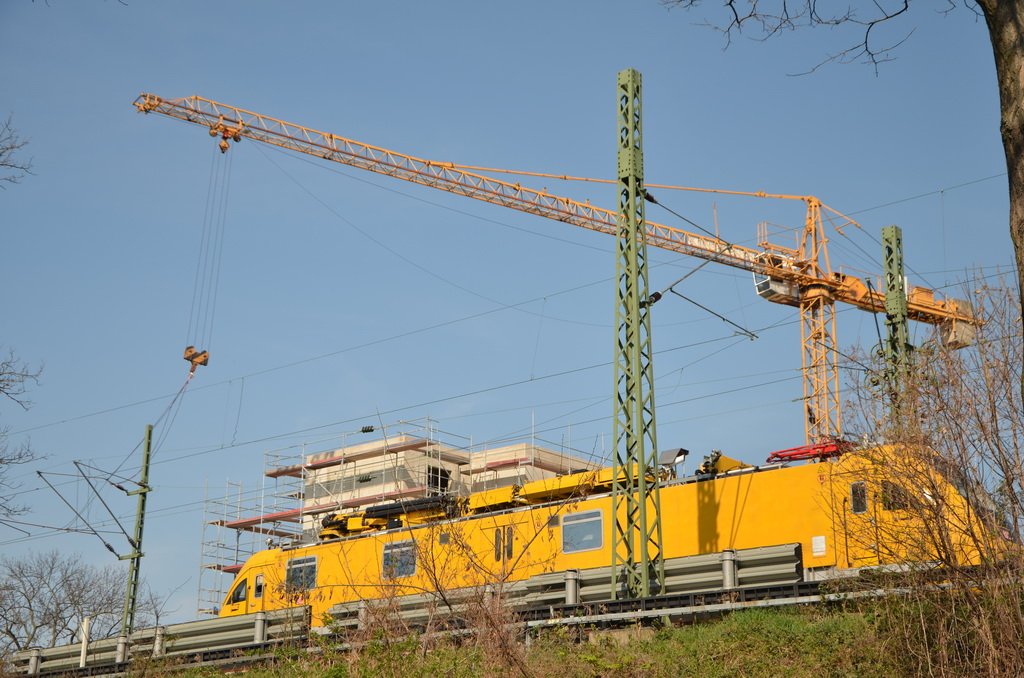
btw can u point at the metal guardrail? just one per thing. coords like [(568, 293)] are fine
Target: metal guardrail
[(202, 639), (687, 607), (739, 569), (696, 586)]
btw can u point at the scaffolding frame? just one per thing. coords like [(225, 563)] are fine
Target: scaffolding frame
[(411, 459)]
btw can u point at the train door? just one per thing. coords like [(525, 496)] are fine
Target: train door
[(247, 596), (257, 602), (509, 543), (859, 525)]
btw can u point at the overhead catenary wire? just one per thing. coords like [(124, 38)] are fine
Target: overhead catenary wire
[(672, 288), (588, 421), (55, 530), (208, 450), (536, 344), (779, 323), (314, 358), (177, 509), (105, 505), (74, 510), (171, 408), (110, 477), (515, 435), (421, 405), (407, 407), (596, 400), (739, 328), (13, 523), (879, 244), (592, 400), (573, 242), (929, 193), (941, 192), (601, 400)]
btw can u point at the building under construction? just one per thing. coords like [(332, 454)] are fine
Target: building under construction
[(299, 489)]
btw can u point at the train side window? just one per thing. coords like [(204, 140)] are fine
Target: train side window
[(509, 538), (301, 574), (582, 531), (399, 559), (257, 588), (497, 545), (238, 595), (858, 497)]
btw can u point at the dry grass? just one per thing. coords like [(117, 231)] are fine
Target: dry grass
[(798, 643)]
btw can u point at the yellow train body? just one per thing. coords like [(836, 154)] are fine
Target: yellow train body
[(844, 513)]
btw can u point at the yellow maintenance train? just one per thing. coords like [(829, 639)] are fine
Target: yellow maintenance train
[(857, 509)]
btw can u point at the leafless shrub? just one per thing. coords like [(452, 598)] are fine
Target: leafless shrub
[(44, 596), (946, 513)]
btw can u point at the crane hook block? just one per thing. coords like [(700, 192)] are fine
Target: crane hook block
[(195, 357)]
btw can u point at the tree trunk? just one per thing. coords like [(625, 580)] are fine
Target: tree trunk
[(1005, 19)]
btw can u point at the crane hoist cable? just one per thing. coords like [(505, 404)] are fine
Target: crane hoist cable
[(208, 262)]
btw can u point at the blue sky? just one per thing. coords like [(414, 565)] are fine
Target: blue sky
[(504, 324)]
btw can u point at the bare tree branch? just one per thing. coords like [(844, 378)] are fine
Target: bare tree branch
[(766, 20), (44, 596), (12, 169), (15, 376)]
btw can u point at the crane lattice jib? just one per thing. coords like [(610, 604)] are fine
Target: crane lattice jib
[(233, 123), (800, 277)]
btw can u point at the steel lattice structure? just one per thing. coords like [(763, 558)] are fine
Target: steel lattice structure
[(798, 276), (636, 504)]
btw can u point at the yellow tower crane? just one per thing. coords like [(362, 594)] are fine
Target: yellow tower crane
[(800, 276)]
